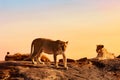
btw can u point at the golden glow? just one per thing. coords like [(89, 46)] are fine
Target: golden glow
[(84, 26)]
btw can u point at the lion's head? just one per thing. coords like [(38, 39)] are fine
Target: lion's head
[(62, 44), (99, 47)]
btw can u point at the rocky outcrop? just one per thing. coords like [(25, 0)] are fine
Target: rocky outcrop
[(82, 69), (118, 56), (68, 60)]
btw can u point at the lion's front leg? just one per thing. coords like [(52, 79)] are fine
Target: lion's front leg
[(65, 61), (55, 60)]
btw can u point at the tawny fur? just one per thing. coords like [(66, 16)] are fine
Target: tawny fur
[(48, 46), (103, 53)]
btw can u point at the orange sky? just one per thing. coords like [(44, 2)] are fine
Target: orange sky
[(83, 23)]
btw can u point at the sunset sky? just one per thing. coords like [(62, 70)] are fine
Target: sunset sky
[(84, 23)]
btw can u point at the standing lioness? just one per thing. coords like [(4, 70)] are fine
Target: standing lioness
[(48, 46)]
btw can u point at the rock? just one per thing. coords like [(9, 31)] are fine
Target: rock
[(80, 70), (4, 74), (83, 61), (98, 63), (118, 56), (68, 60)]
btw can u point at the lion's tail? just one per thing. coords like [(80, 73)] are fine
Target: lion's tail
[(32, 48)]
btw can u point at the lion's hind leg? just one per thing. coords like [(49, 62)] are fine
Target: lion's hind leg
[(33, 57), (39, 56)]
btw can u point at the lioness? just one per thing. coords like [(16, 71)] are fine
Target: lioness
[(103, 53), (50, 47)]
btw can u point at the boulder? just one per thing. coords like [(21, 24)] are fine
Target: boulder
[(68, 60), (118, 56), (24, 70)]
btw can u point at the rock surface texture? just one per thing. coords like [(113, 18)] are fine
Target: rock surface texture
[(82, 69)]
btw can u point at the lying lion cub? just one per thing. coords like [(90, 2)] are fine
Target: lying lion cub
[(103, 53)]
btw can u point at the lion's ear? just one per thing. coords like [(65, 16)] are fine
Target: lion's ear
[(102, 46), (66, 42)]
